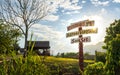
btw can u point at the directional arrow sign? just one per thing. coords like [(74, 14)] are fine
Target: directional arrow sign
[(80, 23), (87, 31), (82, 39)]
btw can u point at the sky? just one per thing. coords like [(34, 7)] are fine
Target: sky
[(53, 27)]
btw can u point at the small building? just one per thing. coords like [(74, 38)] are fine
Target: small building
[(41, 47)]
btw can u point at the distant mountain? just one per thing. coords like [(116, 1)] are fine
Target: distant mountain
[(92, 48)]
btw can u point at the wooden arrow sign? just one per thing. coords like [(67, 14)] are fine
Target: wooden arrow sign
[(82, 39), (80, 23), (87, 31)]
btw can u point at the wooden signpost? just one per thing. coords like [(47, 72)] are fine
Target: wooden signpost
[(80, 38)]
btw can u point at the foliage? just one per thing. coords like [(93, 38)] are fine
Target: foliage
[(23, 66), (8, 38), (94, 69), (112, 46), (113, 57), (100, 57)]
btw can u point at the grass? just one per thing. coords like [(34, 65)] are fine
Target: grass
[(55, 59), (53, 65), (52, 59), (70, 60), (59, 60)]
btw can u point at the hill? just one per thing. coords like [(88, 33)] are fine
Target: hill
[(92, 48)]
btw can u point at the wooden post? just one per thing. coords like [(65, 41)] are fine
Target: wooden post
[(81, 52)]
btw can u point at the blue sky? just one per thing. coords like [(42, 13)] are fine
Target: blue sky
[(53, 27)]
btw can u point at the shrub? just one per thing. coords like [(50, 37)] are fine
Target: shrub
[(100, 57), (94, 69)]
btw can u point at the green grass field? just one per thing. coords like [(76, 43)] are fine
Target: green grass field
[(58, 59), (63, 61)]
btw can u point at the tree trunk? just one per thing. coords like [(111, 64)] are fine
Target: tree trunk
[(25, 46)]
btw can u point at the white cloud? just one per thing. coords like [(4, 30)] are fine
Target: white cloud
[(46, 31), (83, 1), (103, 11), (116, 1), (117, 9), (98, 2), (51, 18), (67, 5), (58, 40), (72, 12), (75, 1), (70, 21), (54, 6)]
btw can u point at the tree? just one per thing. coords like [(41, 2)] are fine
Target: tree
[(23, 14), (112, 41), (62, 55), (8, 38), (70, 55)]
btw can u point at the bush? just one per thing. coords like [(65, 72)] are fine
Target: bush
[(100, 57), (94, 69), (63, 68)]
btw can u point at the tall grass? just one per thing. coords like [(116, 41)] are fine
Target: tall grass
[(23, 66)]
